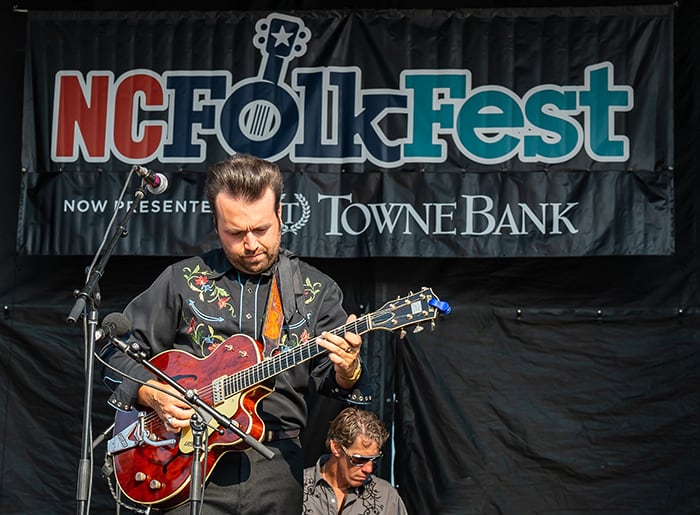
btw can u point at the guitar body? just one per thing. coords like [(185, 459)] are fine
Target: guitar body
[(159, 474)]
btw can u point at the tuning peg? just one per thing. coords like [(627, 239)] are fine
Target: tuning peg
[(418, 329), (402, 334), (432, 325)]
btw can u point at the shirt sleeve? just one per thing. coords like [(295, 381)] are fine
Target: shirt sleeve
[(153, 316), (396, 505), (333, 316)]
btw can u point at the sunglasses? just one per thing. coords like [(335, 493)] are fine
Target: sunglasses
[(358, 460)]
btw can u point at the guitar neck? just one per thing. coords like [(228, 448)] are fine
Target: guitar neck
[(410, 310), (274, 365)]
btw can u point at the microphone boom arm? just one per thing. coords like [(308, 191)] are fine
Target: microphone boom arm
[(88, 291)]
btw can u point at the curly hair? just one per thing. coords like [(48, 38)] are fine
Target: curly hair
[(353, 422)]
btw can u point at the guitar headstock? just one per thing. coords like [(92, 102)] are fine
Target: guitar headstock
[(413, 309), (282, 36)]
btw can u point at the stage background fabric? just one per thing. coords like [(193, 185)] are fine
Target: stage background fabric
[(558, 384)]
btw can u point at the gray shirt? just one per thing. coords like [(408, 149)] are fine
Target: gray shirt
[(375, 496)]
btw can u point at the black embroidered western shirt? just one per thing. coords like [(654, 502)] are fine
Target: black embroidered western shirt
[(197, 304)]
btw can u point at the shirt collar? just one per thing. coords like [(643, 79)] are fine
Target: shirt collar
[(318, 477)]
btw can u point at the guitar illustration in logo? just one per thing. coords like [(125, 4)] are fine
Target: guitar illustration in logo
[(261, 116)]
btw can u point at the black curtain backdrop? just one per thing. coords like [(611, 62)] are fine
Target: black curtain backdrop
[(555, 386)]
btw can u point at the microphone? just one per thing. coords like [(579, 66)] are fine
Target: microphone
[(156, 183), (114, 325)]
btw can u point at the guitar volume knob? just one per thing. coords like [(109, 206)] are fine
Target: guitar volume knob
[(155, 484), (140, 477)]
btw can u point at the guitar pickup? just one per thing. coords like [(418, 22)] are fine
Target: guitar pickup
[(218, 394)]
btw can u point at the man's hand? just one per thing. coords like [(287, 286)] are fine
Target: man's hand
[(344, 352), (171, 408)]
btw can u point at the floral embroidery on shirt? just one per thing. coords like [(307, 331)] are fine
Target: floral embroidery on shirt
[(203, 336), (311, 290), (199, 282), (371, 499), (293, 339)]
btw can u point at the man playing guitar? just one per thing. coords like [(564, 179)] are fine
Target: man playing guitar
[(273, 303)]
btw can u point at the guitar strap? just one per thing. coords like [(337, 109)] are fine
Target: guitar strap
[(274, 318), (286, 300), (293, 301)]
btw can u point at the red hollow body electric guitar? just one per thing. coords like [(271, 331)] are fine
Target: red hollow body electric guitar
[(152, 466)]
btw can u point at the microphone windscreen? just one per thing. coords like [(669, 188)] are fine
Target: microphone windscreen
[(118, 323)]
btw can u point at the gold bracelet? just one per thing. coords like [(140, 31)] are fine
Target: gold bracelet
[(355, 375)]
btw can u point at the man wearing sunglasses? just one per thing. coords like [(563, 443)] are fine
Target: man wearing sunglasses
[(342, 481)]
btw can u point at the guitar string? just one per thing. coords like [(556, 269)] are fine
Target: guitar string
[(285, 360)]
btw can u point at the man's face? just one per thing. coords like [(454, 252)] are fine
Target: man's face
[(250, 232), (355, 475)]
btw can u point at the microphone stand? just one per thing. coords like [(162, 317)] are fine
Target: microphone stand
[(198, 447), (88, 298), (203, 412)]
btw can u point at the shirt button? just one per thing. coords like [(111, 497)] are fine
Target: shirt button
[(250, 290), (248, 316)]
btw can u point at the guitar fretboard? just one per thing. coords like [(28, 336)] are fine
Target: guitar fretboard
[(267, 368), (409, 310)]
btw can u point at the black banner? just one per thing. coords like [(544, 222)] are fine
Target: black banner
[(533, 132), (367, 214)]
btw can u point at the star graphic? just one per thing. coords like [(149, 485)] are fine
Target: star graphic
[(282, 37)]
